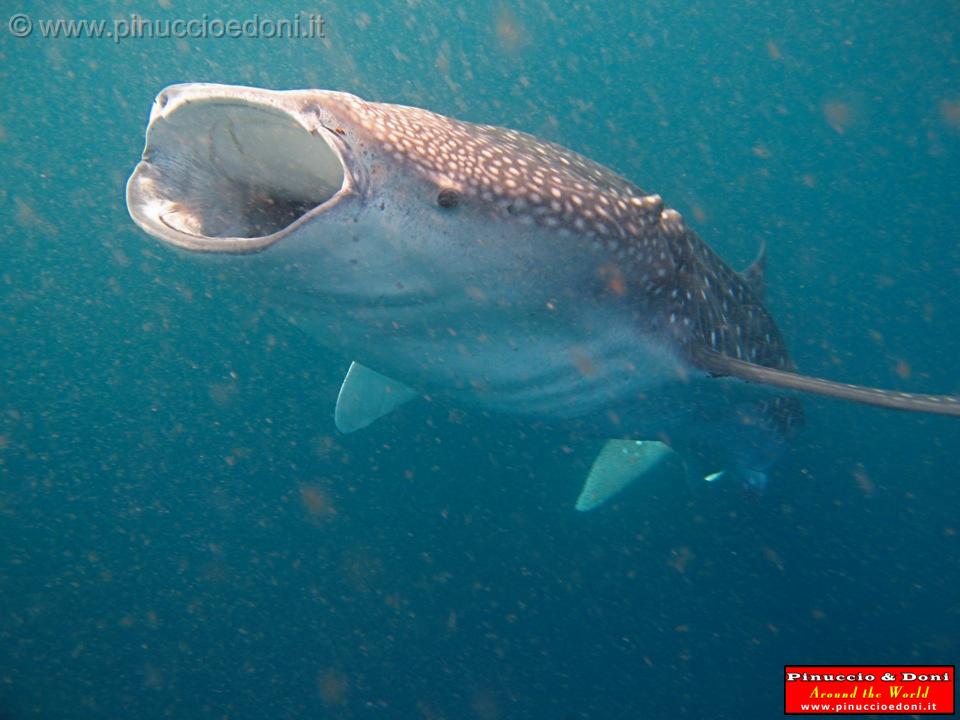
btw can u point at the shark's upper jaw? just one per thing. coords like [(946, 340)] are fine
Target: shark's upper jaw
[(233, 170)]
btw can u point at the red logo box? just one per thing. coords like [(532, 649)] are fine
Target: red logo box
[(869, 689)]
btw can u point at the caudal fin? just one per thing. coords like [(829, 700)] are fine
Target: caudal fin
[(718, 364)]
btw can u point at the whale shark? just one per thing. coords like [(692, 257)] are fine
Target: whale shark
[(482, 267)]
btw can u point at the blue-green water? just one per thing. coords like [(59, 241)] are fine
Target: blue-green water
[(184, 534)]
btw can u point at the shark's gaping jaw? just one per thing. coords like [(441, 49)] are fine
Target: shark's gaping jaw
[(234, 169)]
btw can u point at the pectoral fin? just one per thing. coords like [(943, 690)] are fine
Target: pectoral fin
[(619, 463), (367, 395)]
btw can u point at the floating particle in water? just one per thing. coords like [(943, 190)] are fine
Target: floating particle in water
[(839, 115), (332, 685), (950, 113), (903, 369), (317, 501), (864, 482), (510, 32)]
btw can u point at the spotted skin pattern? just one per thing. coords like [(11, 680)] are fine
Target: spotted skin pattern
[(703, 302), (717, 319)]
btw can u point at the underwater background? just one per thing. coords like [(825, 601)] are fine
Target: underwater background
[(183, 533)]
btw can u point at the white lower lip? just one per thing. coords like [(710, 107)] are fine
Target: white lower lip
[(228, 174)]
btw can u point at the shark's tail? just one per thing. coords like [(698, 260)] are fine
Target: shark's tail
[(718, 364)]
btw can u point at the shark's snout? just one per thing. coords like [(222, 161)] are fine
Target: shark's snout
[(233, 169)]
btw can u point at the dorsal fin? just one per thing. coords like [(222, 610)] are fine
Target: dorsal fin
[(912, 402), (755, 274)]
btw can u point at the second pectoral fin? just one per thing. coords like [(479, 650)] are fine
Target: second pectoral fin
[(365, 396), (619, 463)]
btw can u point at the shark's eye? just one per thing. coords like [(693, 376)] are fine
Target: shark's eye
[(448, 198)]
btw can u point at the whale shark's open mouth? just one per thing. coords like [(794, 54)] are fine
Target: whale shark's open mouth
[(224, 173)]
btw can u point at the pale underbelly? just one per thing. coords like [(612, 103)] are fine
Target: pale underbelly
[(517, 366)]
